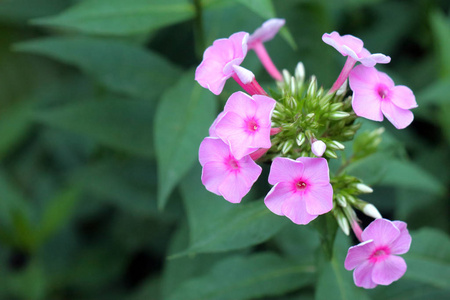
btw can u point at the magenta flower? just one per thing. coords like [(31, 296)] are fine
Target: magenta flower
[(223, 174), (353, 48), (375, 260), (256, 42), (301, 190), (219, 59), (375, 95), (245, 124)]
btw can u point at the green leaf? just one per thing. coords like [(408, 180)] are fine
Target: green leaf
[(119, 123), (14, 124), (246, 277), (217, 225), (22, 10), (118, 17), (57, 213), (428, 259), (335, 282), (182, 119), (118, 66), (440, 26)]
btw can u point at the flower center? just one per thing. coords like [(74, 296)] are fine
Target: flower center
[(383, 91), (380, 254), (300, 185), (233, 164), (252, 125)]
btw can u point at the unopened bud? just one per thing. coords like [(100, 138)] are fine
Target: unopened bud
[(312, 88), (371, 211), (318, 148), (335, 145), (336, 106), (286, 76), (287, 146), (330, 153), (292, 102), (343, 223), (341, 201), (244, 75), (300, 139), (363, 188), (342, 89), (293, 86), (339, 115), (300, 72)]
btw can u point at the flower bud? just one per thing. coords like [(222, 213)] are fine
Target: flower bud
[(300, 139), (341, 200), (330, 153), (287, 146), (342, 89), (286, 76), (335, 145), (336, 106), (339, 115), (371, 211), (300, 72), (312, 88), (363, 188), (343, 223), (293, 86), (318, 148)]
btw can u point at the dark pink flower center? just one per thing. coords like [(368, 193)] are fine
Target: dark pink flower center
[(380, 254), (383, 91), (232, 164), (300, 185), (252, 125)]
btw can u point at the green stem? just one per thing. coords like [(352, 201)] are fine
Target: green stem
[(198, 29)]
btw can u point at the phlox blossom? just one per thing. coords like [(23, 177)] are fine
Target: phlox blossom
[(348, 45), (375, 95), (375, 260), (266, 32), (223, 174), (301, 190), (219, 59), (245, 123)]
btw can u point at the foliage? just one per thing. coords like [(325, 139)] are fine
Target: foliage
[(100, 192)]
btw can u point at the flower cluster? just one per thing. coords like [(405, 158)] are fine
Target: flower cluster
[(298, 129)]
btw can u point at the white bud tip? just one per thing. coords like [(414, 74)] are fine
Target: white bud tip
[(245, 76), (371, 211), (364, 188), (342, 89), (300, 71), (318, 148)]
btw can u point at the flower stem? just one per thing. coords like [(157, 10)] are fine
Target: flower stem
[(267, 61), (349, 63)]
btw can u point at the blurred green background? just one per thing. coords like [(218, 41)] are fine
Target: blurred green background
[(100, 123)]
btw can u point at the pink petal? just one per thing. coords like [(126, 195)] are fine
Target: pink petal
[(363, 276), (237, 184), (241, 104), (212, 129), (212, 149), (402, 97), (316, 170), (372, 59), (367, 104), (239, 42), (338, 42), (210, 76), (295, 209), (285, 170), (363, 78), (232, 129), (402, 244), (358, 254), (318, 199), (399, 117), (213, 175), (383, 232), (389, 270), (276, 197), (384, 78), (266, 32), (265, 107)]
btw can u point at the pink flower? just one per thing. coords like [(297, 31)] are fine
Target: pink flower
[(352, 47), (348, 45), (375, 95), (266, 32), (318, 147), (256, 42), (245, 124), (302, 188), (219, 59), (223, 174), (375, 260)]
